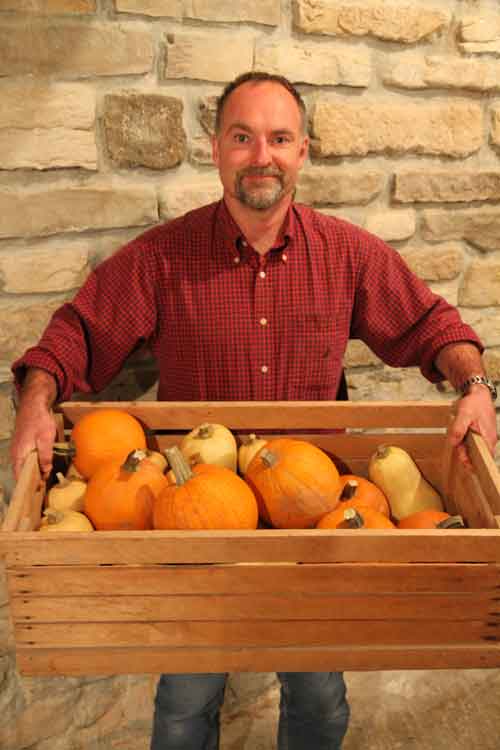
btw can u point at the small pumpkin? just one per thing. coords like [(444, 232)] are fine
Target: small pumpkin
[(295, 483), (360, 491), (67, 494), (355, 518), (431, 519), (121, 495), (250, 446), (213, 444), (64, 520), (102, 435), (204, 496)]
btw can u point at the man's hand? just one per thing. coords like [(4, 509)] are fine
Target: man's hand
[(476, 412), (35, 425)]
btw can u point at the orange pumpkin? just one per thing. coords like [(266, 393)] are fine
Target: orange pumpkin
[(360, 491), (204, 496), (295, 483), (431, 519), (102, 435), (121, 495), (355, 518)]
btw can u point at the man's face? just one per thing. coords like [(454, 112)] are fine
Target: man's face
[(260, 147)]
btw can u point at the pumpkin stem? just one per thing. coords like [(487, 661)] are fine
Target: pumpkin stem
[(205, 431), (61, 479), (382, 451), (53, 516), (249, 439), (179, 465), (133, 460), (64, 449), (269, 458), (453, 522), (353, 518), (349, 490)]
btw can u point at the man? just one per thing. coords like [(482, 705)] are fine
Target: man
[(251, 298)]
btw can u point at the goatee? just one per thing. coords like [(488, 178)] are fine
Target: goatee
[(260, 196)]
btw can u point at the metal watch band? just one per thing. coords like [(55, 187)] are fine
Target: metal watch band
[(479, 380)]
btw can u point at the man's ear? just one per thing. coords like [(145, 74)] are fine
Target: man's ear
[(304, 150), (215, 150)]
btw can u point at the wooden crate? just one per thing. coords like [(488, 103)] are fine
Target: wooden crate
[(266, 600)]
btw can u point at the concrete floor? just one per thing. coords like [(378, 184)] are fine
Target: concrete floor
[(417, 710)]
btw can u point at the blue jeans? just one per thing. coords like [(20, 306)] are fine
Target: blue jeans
[(314, 712)]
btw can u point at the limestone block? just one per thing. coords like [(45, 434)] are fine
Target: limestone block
[(315, 64), (392, 225), (60, 266), (481, 284), (486, 325), (407, 24), (23, 324), (480, 48), (446, 289), (351, 215), (326, 185), (7, 415), (390, 384), (235, 11), (495, 125), (358, 354), (49, 7), (343, 128), (492, 364), (74, 49), (167, 8), (178, 198), (446, 187), (30, 103), (200, 150), (442, 72), (435, 262), (207, 108), (72, 208), (479, 227), (482, 27), (208, 57), (144, 130), (47, 149)]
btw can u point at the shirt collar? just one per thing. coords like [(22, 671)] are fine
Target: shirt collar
[(230, 238)]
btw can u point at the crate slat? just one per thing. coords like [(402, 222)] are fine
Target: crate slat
[(213, 607), (321, 578), (97, 661)]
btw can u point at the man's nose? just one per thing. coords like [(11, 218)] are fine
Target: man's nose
[(261, 152)]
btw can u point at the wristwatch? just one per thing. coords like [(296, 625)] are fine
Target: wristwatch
[(479, 380)]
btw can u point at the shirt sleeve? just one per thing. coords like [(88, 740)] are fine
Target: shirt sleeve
[(397, 315), (88, 339)]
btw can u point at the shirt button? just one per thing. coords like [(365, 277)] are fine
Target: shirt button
[(284, 257), (236, 259), (264, 368), (244, 243), (263, 321), (262, 274)]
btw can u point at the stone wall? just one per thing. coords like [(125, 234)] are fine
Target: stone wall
[(107, 108)]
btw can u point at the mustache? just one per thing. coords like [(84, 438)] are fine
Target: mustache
[(260, 172)]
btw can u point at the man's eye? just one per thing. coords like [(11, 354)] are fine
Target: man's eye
[(280, 139), (241, 138)]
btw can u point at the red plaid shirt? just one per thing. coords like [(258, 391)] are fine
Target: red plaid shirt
[(225, 323)]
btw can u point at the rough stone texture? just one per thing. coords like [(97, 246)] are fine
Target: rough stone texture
[(200, 150), (29, 103), (167, 8), (392, 225), (406, 24), (342, 128), (492, 364), (358, 354), (144, 130), (48, 7), (176, 199), (481, 284), (486, 325), (480, 48), (446, 187), (484, 27), (74, 49), (47, 149), (6, 416), (480, 227), (441, 72), (23, 324), (326, 185), (71, 209), (207, 107), (59, 268), (257, 11), (192, 56), (495, 125), (390, 384), (435, 263), (301, 63)]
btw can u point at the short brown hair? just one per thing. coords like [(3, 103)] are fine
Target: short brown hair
[(255, 76)]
